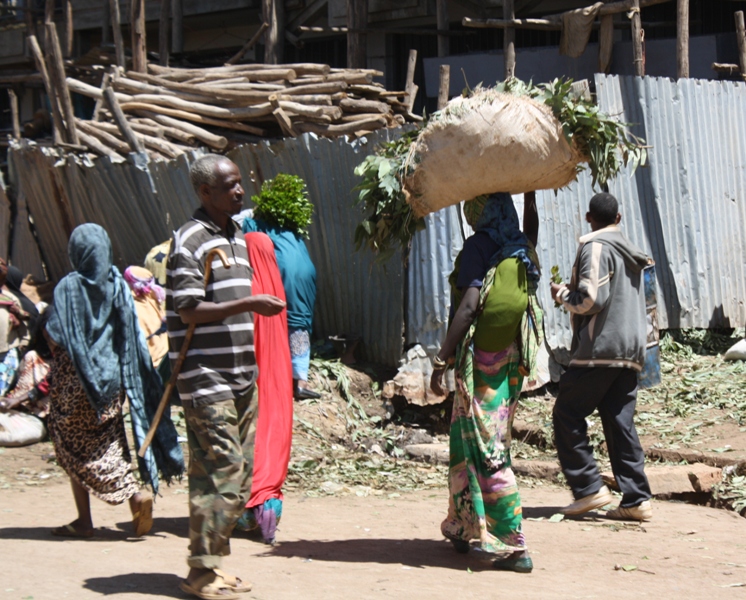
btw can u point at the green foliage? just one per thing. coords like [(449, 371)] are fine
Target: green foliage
[(602, 139), (556, 277), (328, 370), (390, 223), (283, 202), (731, 492)]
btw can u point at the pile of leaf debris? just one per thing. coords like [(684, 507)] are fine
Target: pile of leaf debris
[(352, 441)]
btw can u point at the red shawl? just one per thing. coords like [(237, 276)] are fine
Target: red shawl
[(274, 431)]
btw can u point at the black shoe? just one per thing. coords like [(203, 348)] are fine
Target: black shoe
[(460, 546), (524, 564), (306, 394)]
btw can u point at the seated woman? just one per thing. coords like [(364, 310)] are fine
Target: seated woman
[(14, 331), (25, 408), (494, 335), (31, 391)]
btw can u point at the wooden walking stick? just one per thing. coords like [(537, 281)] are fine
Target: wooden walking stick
[(182, 355)]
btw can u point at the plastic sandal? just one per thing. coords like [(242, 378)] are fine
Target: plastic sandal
[(69, 531), (209, 586), (233, 582)]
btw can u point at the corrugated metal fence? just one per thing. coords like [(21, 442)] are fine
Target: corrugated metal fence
[(140, 205), (687, 208)]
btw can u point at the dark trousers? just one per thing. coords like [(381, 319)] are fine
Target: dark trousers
[(613, 391)]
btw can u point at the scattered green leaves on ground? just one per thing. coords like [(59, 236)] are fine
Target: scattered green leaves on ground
[(731, 492), (699, 393)]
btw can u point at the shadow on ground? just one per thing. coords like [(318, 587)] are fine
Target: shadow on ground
[(151, 584), (43, 534), (414, 553), (537, 512), (178, 526)]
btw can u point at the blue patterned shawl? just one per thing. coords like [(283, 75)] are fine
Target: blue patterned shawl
[(495, 215), (94, 320)]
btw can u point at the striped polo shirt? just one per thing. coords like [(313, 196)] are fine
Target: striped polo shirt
[(220, 363)]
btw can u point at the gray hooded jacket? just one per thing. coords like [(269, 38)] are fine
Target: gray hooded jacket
[(606, 298)]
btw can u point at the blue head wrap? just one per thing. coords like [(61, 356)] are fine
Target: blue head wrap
[(496, 216)]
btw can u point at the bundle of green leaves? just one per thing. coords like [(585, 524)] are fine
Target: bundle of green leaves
[(390, 225), (283, 202)]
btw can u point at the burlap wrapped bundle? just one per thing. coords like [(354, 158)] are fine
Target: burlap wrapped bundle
[(489, 142)]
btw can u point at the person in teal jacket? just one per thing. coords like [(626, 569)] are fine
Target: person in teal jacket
[(299, 279)]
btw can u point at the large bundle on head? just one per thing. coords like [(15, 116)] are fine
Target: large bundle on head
[(514, 137), (490, 141)]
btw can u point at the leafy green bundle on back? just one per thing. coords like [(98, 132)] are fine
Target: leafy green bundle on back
[(283, 202)]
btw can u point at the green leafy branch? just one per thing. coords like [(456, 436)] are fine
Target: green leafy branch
[(283, 202), (389, 223)]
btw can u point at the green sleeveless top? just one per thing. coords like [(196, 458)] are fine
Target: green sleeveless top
[(498, 325)]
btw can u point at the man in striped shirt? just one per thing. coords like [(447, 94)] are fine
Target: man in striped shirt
[(217, 380)]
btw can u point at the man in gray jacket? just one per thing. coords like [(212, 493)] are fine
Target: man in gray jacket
[(606, 300)]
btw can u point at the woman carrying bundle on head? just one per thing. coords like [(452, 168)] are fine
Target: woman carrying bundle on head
[(494, 336), (283, 212)]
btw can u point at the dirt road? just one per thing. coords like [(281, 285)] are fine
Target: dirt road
[(372, 547)]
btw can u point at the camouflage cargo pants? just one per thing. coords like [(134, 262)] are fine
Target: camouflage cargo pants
[(221, 464)]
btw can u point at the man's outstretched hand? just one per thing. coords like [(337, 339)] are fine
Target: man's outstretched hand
[(266, 305)]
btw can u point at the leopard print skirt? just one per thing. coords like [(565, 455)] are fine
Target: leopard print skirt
[(93, 451)]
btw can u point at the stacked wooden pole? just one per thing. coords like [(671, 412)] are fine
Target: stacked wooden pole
[(137, 25), (116, 29), (682, 39), (509, 39), (357, 21), (167, 111), (164, 32), (741, 40), (638, 52)]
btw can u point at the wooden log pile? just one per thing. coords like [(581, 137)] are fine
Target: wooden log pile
[(168, 111)]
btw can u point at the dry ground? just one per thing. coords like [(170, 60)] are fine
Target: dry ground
[(379, 545), (365, 524)]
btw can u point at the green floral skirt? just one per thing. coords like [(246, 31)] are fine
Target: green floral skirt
[(484, 503)]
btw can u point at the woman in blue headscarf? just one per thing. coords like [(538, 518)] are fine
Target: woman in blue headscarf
[(100, 355), (494, 336), (299, 280)]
